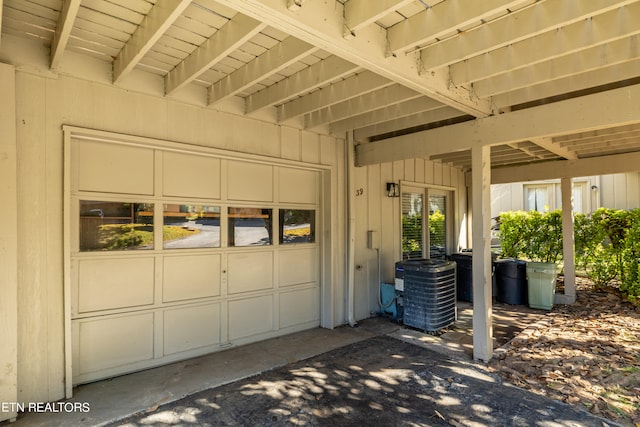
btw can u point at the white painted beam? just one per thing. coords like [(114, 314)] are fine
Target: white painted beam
[(230, 37), (320, 23), (282, 55), (481, 260), (602, 56), (158, 20), (568, 249), (317, 74), (601, 165), (389, 95), (574, 83), (63, 30), (351, 87), (548, 144), (606, 109), (600, 29), (525, 23), (442, 20), (387, 112), (420, 119), (360, 13)]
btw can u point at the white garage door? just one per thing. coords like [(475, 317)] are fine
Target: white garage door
[(175, 254)]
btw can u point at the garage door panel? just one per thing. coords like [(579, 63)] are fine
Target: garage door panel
[(298, 185), (187, 328), (186, 296), (191, 276), (298, 266), (249, 181), (110, 342), (298, 307), (115, 168), (251, 316), (249, 272), (187, 175), (105, 284)]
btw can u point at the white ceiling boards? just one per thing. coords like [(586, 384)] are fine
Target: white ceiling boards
[(394, 68)]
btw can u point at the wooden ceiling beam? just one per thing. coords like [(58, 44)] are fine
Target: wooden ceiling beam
[(616, 107), (539, 18), (360, 13), (344, 90), (153, 26), (368, 102), (591, 59), (281, 56), (442, 20), (549, 145), (600, 29), (321, 23), (230, 37), (318, 74), (63, 30), (386, 112)]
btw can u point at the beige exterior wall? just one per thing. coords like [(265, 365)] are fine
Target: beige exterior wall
[(377, 212), (620, 191), (43, 106), (8, 243), (616, 191)]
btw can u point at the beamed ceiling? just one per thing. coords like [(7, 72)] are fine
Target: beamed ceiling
[(386, 70)]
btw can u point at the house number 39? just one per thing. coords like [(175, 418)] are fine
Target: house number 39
[(359, 191)]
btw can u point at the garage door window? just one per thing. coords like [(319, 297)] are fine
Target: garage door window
[(191, 226), (115, 226), (250, 226), (297, 226)]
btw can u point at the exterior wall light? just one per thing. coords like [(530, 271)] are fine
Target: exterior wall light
[(393, 189)]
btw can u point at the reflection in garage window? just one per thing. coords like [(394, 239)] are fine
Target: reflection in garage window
[(191, 226), (297, 226), (250, 227), (115, 226)]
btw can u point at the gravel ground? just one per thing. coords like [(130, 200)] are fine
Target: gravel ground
[(586, 354)]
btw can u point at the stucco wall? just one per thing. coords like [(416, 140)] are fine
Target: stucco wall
[(43, 106)]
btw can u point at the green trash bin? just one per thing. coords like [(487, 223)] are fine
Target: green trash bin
[(541, 278)]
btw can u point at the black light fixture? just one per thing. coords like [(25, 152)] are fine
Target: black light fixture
[(393, 189)]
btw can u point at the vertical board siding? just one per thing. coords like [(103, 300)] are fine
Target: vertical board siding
[(43, 106), (381, 214)]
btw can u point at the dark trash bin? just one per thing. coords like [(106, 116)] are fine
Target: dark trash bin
[(511, 278), (464, 270)]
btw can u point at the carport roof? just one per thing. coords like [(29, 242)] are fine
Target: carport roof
[(386, 70)]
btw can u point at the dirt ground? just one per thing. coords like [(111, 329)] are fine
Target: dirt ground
[(586, 354)]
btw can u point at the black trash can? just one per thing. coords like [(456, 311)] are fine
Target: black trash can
[(464, 262), (511, 278)]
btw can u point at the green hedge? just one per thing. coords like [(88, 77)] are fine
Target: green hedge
[(607, 243)]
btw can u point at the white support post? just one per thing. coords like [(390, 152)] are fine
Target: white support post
[(568, 250), (481, 264), (8, 246)]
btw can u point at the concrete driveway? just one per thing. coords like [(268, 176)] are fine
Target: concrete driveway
[(377, 374), (381, 381)]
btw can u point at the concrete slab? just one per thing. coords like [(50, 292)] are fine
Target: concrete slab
[(128, 394), (119, 397)]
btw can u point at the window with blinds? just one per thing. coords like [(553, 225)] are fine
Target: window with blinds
[(437, 226), (412, 226)]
